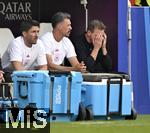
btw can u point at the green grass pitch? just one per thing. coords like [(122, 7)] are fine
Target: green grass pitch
[(140, 125)]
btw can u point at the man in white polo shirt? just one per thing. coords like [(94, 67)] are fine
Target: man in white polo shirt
[(25, 52), (58, 45)]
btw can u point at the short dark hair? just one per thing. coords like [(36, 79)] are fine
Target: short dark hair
[(59, 17), (27, 24), (96, 24)]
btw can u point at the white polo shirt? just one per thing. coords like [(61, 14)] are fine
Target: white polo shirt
[(30, 57), (58, 50)]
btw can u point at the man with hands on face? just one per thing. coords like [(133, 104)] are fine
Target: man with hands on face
[(91, 48)]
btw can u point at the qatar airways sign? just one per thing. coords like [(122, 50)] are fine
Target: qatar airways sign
[(17, 10)]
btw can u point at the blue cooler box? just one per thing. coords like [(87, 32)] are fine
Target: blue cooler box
[(107, 94), (32, 87), (65, 95), (60, 93)]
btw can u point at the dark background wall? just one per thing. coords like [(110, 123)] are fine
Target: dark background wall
[(42, 10)]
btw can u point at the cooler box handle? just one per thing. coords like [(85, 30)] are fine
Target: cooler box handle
[(25, 84), (24, 76), (114, 80)]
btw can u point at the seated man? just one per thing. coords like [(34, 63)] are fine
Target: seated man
[(58, 45), (25, 52), (91, 48)]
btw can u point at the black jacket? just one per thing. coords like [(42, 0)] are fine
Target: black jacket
[(83, 49)]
